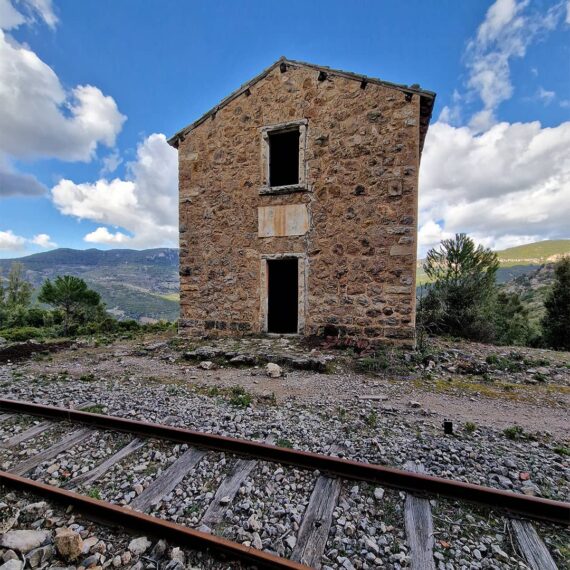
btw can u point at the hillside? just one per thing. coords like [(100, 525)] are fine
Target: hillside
[(537, 253), (518, 261), (133, 284)]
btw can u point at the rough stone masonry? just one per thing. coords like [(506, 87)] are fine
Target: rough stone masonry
[(298, 207)]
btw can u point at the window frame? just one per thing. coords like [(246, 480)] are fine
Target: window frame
[(301, 186)]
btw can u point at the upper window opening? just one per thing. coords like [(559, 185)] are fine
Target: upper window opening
[(284, 158)]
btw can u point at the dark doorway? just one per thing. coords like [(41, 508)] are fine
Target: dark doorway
[(284, 158), (282, 285)]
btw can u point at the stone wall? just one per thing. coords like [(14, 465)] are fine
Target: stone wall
[(362, 161)]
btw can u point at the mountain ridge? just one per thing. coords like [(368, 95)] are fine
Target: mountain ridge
[(134, 284)]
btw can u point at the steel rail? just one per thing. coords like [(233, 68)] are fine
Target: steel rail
[(133, 520), (532, 507)]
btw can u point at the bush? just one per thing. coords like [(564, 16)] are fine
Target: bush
[(512, 326), (20, 334)]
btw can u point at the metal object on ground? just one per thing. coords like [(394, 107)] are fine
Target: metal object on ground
[(447, 427), (134, 520), (533, 507)]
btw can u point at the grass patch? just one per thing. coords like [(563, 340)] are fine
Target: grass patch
[(469, 427), (96, 409), (514, 432), (94, 493), (87, 377), (240, 397), (283, 442), (372, 419), (562, 450)]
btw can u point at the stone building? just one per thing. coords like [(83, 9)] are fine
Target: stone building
[(298, 207)]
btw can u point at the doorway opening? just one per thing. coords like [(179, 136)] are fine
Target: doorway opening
[(282, 295)]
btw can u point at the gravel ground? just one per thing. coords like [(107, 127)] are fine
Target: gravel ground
[(367, 532), (99, 546)]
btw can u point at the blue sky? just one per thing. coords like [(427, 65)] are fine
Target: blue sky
[(89, 89)]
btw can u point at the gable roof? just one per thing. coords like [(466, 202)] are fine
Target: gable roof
[(427, 98)]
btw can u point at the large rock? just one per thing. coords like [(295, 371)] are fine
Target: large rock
[(24, 540), (139, 545), (68, 543), (12, 565), (273, 370)]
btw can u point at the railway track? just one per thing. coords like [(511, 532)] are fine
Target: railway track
[(308, 548)]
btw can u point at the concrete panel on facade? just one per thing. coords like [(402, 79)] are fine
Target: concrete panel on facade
[(280, 221)]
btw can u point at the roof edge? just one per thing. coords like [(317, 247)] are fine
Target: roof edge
[(427, 107)]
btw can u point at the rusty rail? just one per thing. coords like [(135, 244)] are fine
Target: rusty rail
[(175, 533), (532, 507)]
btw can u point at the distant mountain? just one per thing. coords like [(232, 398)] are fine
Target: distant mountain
[(141, 285), (519, 261), (538, 253)]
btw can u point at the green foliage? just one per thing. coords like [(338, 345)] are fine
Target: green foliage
[(513, 432), (94, 493), (469, 427), (20, 334), (374, 362), (464, 300), (72, 296), (562, 450), (372, 419), (18, 291), (283, 442), (240, 397), (96, 409), (511, 320), (460, 300), (556, 322)]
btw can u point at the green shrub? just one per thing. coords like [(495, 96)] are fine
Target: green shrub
[(514, 432), (240, 397), (20, 334), (469, 427), (374, 362)]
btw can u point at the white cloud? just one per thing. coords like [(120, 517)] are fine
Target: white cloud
[(145, 204), (43, 240), (10, 241), (56, 123), (103, 235), (545, 95), (110, 163), (568, 11), (505, 34), (508, 185), (39, 118)]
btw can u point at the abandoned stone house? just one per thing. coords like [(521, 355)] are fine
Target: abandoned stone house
[(298, 207)]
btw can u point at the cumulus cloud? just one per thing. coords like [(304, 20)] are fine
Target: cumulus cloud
[(145, 203), (506, 33), (508, 185), (56, 123), (11, 242), (43, 240), (39, 118), (103, 235)]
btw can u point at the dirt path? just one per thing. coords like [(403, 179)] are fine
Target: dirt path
[(536, 408)]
